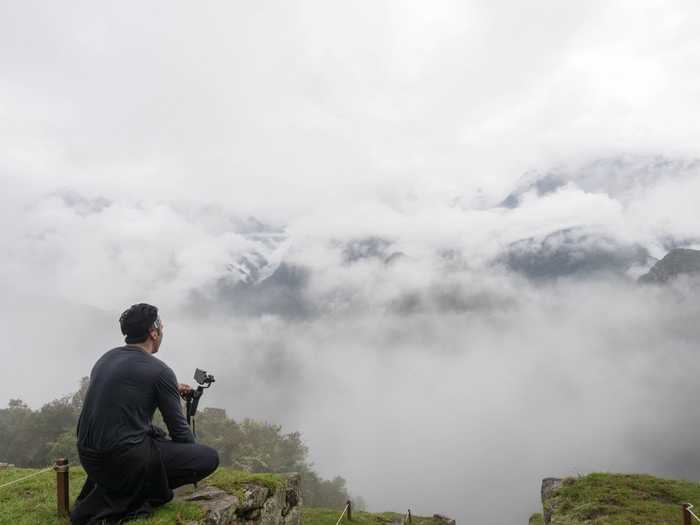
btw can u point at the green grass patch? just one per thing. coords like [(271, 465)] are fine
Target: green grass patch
[(173, 513), (235, 481), (34, 500), (536, 519), (621, 499)]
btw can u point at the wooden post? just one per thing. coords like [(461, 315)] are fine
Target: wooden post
[(349, 510), (686, 514), (62, 487), (409, 515)]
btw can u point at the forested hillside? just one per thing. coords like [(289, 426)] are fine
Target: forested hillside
[(33, 438)]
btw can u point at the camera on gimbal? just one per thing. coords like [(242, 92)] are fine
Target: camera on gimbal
[(192, 397)]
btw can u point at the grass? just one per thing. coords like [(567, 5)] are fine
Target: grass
[(536, 519), (596, 499), (323, 516), (621, 499), (33, 501), (234, 481)]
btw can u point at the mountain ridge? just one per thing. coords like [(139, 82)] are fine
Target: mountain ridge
[(677, 262)]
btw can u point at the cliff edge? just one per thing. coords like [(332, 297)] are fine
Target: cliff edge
[(614, 499)]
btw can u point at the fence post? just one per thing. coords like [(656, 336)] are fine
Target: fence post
[(349, 510), (686, 514), (62, 487)]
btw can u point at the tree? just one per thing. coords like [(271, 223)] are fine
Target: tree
[(64, 447)]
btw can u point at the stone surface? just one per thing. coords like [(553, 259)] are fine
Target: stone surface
[(293, 501), (258, 504), (207, 493), (549, 485), (220, 506), (254, 497)]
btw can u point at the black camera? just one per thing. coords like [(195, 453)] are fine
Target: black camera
[(203, 378), (192, 397)]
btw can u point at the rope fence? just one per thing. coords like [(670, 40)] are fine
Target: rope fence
[(407, 518), (687, 513), (346, 509), (62, 484), (25, 477)]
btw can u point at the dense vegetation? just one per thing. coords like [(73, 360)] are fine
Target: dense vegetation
[(33, 438)]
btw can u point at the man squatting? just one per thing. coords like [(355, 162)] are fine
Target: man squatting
[(131, 465)]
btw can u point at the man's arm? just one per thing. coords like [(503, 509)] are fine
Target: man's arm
[(169, 405)]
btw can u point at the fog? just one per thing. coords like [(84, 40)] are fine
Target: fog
[(410, 232)]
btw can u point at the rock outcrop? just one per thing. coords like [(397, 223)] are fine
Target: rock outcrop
[(549, 504), (251, 504)]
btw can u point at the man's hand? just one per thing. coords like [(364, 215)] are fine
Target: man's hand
[(184, 389)]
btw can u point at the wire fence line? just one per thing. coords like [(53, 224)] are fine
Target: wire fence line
[(342, 514), (687, 508), (26, 477)]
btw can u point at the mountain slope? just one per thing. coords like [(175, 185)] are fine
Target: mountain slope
[(676, 262)]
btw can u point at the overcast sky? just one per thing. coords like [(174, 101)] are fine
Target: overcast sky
[(276, 105), (138, 139)]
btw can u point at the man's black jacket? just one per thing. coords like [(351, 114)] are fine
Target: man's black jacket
[(126, 476), (126, 386)]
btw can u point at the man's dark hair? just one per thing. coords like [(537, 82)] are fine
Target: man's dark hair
[(136, 321)]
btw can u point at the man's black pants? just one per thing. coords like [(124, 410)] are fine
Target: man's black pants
[(130, 481), (186, 462)]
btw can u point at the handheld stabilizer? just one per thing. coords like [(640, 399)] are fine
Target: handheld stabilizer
[(192, 397)]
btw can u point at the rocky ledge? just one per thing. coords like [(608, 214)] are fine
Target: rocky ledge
[(605, 498), (249, 503)]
